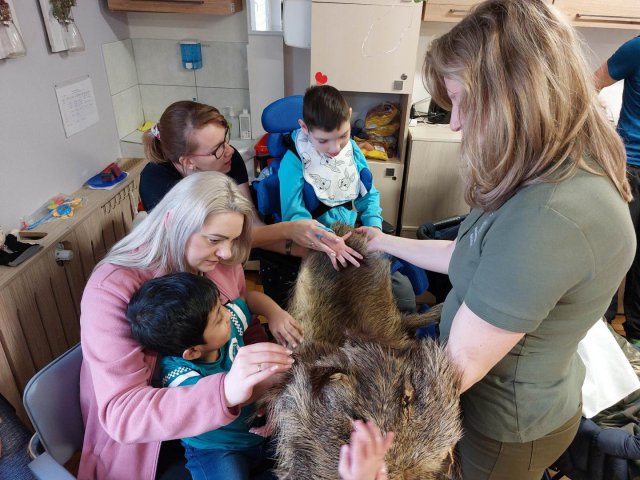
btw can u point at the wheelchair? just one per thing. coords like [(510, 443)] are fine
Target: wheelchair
[(278, 272)]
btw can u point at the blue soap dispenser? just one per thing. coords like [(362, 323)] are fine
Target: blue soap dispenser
[(191, 53)]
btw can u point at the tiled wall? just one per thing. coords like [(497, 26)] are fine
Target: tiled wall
[(146, 75)]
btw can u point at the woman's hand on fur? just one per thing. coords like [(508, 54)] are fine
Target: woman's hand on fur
[(363, 457), (254, 364), (344, 254), (286, 329), (312, 235), (374, 236)]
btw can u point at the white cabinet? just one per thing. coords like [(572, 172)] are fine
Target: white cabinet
[(365, 48), (387, 178), (434, 188), (369, 48)]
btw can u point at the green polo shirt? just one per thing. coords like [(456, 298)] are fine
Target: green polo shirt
[(547, 264)]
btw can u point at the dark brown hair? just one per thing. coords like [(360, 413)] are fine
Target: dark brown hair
[(175, 130), (324, 107)]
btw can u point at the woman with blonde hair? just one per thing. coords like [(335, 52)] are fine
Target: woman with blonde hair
[(203, 225), (535, 262), (193, 137)]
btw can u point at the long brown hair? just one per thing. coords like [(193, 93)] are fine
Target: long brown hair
[(529, 102), (175, 131)]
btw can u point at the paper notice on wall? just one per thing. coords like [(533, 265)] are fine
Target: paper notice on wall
[(77, 104)]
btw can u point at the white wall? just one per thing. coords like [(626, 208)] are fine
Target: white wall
[(599, 44), (37, 160), (180, 26)]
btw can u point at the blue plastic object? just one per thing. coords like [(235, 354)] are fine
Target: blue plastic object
[(191, 53), (97, 182), (282, 116)]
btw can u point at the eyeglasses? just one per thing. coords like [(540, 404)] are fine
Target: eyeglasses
[(219, 150)]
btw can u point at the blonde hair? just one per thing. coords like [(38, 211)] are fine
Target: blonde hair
[(158, 242), (175, 131), (529, 104)]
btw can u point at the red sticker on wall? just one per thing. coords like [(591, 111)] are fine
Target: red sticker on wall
[(321, 79)]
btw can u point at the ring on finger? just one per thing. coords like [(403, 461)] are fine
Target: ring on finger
[(259, 367)]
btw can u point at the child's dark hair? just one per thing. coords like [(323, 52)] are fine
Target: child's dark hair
[(169, 314), (325, 108)]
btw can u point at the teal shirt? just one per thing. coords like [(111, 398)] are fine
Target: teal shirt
[(292, 204), (545, 264), (176, 371)]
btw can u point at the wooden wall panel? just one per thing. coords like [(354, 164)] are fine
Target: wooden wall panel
[(40, 299), (9, 389), (13, 341)]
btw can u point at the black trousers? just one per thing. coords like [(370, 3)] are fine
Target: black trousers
[(632, 283)]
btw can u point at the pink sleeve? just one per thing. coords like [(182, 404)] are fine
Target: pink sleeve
[(129, 409), (230, 281)]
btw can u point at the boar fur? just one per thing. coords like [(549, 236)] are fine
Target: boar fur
[(360, 360)]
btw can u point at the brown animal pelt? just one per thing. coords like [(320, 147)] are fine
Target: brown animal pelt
[(355, 301), (359, 360)]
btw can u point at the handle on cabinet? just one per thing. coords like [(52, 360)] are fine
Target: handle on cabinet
[(458, 10), (609, 17), (63, 253)]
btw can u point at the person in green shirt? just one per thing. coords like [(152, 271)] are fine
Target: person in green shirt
[(548, 239)]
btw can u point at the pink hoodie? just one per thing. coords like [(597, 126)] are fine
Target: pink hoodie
[(125, 418)]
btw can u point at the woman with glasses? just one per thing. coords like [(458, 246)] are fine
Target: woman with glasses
[(192, 137)]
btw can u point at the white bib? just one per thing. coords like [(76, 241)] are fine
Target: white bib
[(335, 180)]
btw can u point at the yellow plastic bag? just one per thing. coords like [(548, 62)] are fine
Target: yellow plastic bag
[(382, 115)]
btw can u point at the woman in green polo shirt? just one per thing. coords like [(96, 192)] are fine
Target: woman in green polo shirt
[(547, 241)]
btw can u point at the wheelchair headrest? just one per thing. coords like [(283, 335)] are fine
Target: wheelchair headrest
[(275, 145), (282, 115)]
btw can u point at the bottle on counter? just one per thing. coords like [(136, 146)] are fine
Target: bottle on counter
[(244, 120), (232, 120)]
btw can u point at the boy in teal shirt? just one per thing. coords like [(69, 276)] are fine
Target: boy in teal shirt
[(180, 316), (324, 175)]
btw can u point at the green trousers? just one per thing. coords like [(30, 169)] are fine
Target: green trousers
[(483, 458)]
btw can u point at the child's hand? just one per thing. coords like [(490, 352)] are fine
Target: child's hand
[(264, 431), (286, 329), (375, 238), (254, 364), (363, 457), (343, 253)]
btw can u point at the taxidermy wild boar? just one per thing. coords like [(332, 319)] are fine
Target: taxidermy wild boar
[(360, 360)]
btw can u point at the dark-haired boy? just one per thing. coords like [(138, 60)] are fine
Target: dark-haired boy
[(327, 177), (180, 316)]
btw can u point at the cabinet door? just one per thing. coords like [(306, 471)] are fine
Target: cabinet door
[(596, 13), (449, 10), (213, 7), (365, 48), (387, 178), (446, 10), (434, 186)]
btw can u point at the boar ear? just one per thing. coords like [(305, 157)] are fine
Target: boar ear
[(321, 375)]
